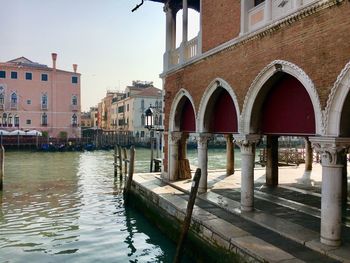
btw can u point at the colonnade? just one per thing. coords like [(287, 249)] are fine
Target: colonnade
[(333, 161)]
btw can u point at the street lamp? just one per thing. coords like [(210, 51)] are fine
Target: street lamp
[(149, 118), (149, 124)]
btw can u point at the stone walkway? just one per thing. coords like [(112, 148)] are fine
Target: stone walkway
[(284, 226)]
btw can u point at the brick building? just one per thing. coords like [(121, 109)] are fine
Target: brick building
[(34, 96), (261, 69)]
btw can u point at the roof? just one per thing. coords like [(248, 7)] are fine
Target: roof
[(22, 61), (150, 92), (177, 4)]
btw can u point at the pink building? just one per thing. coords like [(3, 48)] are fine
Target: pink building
[(36, 97)]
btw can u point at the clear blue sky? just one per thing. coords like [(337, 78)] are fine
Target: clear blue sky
[(111, 45)]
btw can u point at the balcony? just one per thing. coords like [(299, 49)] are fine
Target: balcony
[(13, 106), (74, 107), (44, 124), (44, 106), (2, 107), (182, 54), (269, 11)]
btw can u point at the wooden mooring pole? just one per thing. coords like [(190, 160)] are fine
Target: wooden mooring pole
[(2, 161), (131, 170), (187, 221)]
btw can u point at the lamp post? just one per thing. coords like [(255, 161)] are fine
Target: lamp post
[(149, 124)]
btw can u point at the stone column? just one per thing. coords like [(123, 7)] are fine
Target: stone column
[(332, 152), (268, 11), (183, 146), (247, 145), (183, 53), (173, 169), (230, 154), (170, 40), (202, 145), (272, 160), (345, 181), (244, 15)]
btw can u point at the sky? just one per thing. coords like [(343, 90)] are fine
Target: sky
[(111, 45)]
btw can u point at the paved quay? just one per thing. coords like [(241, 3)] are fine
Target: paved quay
[(284, 226)]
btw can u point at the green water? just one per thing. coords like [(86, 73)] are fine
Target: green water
[(66, 207)]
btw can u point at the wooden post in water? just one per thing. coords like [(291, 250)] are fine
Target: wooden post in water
[(115, 161), (125, 159), (152, 150), (2, 161), (120, 162), (187, 221), (131, 169)]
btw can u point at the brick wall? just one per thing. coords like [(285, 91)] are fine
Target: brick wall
[(220, 22), (319, 44)]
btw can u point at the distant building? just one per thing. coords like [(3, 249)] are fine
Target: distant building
[(86, 120), (125, 111), (34, 96), (129, 112)]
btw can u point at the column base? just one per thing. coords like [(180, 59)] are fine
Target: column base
[(247, 208), (330, 242), (202, 190)]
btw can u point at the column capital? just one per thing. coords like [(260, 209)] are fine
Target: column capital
[(166, 8), (202, 139), (247, 142), (331, 149), (175, 137)]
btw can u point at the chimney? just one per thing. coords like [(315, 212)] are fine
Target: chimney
[(54, 57), (75, 67)]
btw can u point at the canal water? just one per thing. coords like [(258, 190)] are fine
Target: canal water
[(67, 207)]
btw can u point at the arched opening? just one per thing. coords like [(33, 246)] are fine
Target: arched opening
[(184, 125), (287, 108), (220, 114)]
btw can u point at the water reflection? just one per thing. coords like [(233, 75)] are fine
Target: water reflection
[(69, 207)]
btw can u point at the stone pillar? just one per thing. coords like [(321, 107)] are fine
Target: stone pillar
[(183, 53), (308, 162), (332, 152), (184, 21), (173, 169), (247, 145), (268, 11), (272, 160), (202, 145), (170, 41), (244, 16), (230, 155), (183, 146)]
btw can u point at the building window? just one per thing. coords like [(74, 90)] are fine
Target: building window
[(74, 100), (156, 120), (258, 2), (29, 102), (142, 134), (29, 76), (120, 109), (74, 79), (9, 123), (2, 74), (44, 119), (142, 105), (44, 101), (13, 75), (16, 121), (44, 77), (156, 104), (4, 120), (127, 107), (2, 99), (74, 120), (28, 121), (14, 101)]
